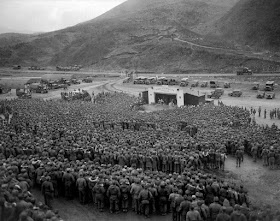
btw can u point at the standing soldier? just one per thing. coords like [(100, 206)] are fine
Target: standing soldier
[(264, 113), (264, 155), (99, 191), (238, 155), (260, 110), (254, 151), (125, 189), (68, 180), (47, 191), (163, 197), (144, 198), (135, 190), (271, 159), (82, 185), (114, 194)]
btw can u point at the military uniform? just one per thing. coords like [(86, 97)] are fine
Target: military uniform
[(114, 194), (47, 191)]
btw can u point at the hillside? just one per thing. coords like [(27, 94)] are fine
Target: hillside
[(134, 35), (255, 23)]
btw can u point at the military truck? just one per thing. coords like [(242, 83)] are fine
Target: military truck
[(269, 95), (16, 67), (260, 94), (213, 84), (256, 86), (216, 94), (235, 93), (244, 71), (87, 80), (140, 80), (38, 88), (151, 80), (195, 84), (204, 84), (162, 81), (184, 82), (269, 86), (226, 85), (23, 94), (172, 81)]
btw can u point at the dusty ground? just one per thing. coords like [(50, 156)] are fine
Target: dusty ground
[(262, 183)]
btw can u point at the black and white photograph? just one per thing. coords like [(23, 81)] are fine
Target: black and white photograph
[(133, 110)]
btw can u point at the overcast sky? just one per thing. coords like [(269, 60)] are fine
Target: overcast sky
[(48, 15)]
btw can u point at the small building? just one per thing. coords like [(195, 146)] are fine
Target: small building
[(167, 94)]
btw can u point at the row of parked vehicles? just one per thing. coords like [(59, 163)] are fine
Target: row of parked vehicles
[(184, 82), (44, 86)]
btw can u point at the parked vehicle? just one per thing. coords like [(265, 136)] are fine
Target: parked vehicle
[(140, 80), (260, 94), (213, 84), (226, 85), (244, 71), (38, 88), (151, 80), (195, 84), (204, 84), (36, 68), (75, 81), (173, 81), (269, 86), (235, 93), (256, 86), (23, 94), (16, 67), (184, 82), (87, 80), (269, 95), (162, 81)]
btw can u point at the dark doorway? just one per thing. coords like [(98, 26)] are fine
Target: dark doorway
[(167, 98), (145, 97)]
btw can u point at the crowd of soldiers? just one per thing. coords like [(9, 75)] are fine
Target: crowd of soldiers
[(120, 159)]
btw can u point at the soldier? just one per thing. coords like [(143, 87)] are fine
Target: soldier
[(114, 194), (264, 156), (259, 110), (193, 215), (144, 198), (238, 155), (237, 215), (264, 113), (178, 200), (163, 197), (47, 191), (68, 180), (135, 190), (184, 208), (99, 191), (214, 208), (271, 159), (154, 192), (171, 199), (82, 185), (223, 216), (254, 151), (125, 189)]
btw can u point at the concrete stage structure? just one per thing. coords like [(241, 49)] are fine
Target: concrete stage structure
[(167, 94)]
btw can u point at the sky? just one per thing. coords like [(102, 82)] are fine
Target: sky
[(31, 16)]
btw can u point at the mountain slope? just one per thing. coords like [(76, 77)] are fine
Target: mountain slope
[(252, 22), (135, 35)]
